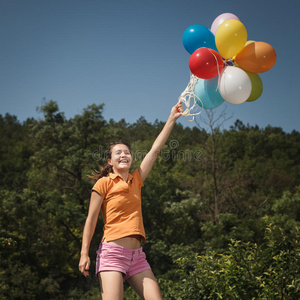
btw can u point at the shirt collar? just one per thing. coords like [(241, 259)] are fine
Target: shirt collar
[(114, 176)]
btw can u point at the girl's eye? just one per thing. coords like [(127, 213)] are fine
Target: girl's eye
[(120, 152)]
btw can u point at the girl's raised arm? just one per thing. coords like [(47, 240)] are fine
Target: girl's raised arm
[(152, 155)]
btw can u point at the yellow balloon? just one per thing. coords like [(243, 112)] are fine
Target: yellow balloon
[(249, 42), (231, 37)]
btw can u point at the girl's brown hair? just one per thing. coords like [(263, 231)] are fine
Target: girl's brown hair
[(104, 172)]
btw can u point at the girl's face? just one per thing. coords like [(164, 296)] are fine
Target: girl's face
[(120, 157)]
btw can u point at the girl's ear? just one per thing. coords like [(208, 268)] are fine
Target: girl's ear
[(109, 161)]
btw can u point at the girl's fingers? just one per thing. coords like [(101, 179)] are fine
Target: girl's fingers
[(84, 267), (179, 107)]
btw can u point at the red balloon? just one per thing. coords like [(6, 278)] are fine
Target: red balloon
[(206, 63)]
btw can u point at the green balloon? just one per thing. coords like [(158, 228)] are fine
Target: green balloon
[(257, 86)]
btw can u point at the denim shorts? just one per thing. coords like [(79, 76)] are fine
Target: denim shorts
[(112, 257)]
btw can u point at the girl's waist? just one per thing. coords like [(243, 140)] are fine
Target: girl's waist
[(130, 242)]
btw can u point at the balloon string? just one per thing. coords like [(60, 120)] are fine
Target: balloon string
[(188, 97)]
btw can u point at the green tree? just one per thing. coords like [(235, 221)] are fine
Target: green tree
[(15, 150), (221, 207)]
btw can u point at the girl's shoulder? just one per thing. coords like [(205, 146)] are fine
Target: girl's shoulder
[(102, 186), (102, 181)]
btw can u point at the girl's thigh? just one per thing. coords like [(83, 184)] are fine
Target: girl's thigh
[(145, 285), (111, 284)]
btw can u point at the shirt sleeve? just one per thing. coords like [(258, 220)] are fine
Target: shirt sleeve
[(101, 187), (136, 174)]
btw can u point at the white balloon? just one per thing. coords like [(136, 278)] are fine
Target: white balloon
[(234, 85)]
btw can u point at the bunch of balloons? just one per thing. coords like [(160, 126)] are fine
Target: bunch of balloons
[(225, 62)]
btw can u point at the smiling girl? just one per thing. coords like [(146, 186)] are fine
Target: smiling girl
[(117, 193)]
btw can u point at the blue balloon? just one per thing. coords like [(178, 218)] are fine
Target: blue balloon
[(198, 36), (208, 92)]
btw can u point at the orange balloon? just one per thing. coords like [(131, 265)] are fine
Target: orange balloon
[(257, 57)]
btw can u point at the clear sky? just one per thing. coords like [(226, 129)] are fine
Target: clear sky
[(128, 54)]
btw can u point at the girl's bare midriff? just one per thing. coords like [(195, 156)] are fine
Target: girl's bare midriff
[(131, 242)]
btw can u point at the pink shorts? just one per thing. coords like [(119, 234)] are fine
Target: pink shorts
[(112, 257)]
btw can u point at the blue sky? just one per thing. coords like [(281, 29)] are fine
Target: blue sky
[(128, 54)]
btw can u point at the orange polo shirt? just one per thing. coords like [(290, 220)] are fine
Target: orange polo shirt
[(122, 206)]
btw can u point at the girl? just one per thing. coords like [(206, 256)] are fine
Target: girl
[(118, 194)]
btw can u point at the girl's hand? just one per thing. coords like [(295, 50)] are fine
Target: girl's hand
[(84, 265), (177, 110)]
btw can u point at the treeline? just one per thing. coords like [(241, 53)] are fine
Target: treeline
[(221, 207)]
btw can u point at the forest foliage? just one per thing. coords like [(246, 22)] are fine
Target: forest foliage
[(221, 207)]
